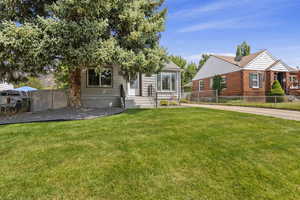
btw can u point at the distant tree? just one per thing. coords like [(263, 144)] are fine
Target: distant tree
[(243, 50), (203, 60), (189, 73), (218, 84), (33, 82), (179, 61), (61, 77)]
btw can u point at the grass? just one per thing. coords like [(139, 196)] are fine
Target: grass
[(284, 106), (164, 154)]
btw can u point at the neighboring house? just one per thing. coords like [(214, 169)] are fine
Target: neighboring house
[(5, 86), (252, 75), (141, 91)]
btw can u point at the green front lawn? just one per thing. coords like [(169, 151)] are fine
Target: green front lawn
[(285, 106), (164, 154)]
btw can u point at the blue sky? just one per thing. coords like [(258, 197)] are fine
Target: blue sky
[(195, 27)]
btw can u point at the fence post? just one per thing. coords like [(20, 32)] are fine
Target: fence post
[(198, 100), (275, 99), (217, 96)]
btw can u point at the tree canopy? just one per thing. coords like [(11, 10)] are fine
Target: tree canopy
[(189, 70), (179, 61), (38, 35)]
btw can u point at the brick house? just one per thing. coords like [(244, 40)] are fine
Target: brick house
[(252, 75)]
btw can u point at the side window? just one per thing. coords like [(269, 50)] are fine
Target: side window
[(201, 85), (224, 81), (211, 83)]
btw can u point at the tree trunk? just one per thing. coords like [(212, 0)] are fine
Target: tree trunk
[(75, 88)]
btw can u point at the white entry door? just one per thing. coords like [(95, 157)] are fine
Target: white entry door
[(134, 87)]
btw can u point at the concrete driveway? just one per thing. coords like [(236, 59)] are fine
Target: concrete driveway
[(283, 114)]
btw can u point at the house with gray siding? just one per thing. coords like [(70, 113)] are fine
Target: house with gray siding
[(105, 89)]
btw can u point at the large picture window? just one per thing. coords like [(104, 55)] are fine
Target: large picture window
[(104, 79), (166, 81)]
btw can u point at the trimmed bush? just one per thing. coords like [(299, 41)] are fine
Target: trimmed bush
[(163, 103), (184, 101), (173, 103), (276, 91)]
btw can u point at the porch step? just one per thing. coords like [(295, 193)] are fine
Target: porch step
[(140, 102)]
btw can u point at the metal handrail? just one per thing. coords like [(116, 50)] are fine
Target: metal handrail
[(123, 96)]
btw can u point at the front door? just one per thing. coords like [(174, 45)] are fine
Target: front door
[(134, 86)]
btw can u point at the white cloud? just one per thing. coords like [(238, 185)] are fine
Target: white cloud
[(238, 23), (208, 8)]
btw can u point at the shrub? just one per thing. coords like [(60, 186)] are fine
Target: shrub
[(163, 103), (277, 91), (173, 103), (184, 101)]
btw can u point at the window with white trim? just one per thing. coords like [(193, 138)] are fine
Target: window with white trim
[(201, 85), (103, 79), (294, 81), (224, 81), (255, 80), (211, 83), (166, 81)]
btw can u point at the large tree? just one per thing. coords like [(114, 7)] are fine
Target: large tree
[(39, 35)]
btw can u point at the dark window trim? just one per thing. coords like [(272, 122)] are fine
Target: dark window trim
[(101, 87)]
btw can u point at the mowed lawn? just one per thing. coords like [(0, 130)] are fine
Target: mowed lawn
[(163, 154), (284, 106)]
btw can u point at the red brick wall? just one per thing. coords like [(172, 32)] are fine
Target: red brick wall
[(238, 84), (234, 84), (247, 91)]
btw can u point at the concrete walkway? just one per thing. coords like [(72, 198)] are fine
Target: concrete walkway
[(283, 114)]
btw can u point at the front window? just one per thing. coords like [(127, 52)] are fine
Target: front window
[(201, 85), (104, 79), (166, 81), (255, 80), (93, 78)]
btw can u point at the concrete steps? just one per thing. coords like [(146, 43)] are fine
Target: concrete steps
[(140, 102)]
